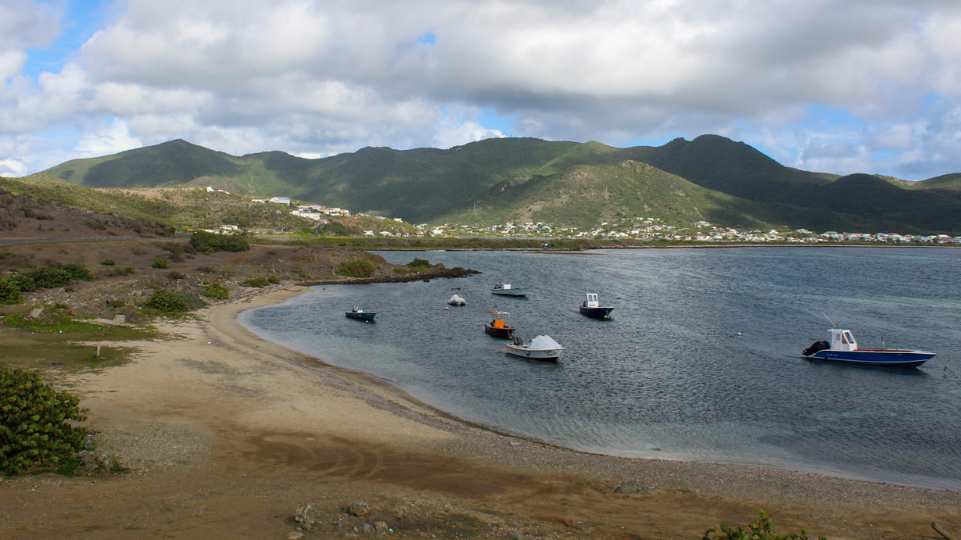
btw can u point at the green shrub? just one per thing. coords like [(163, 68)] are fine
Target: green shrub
[(124, 271), (165, 301), (335, 228), (159, 262), (419, 263), (9, 292), (46, 277), (217, 291), (191, 300), (35, 427), (758, 530), (358, 268), (77, 272), (256, 282), (209, 242), (24, 283), (273, 279), (108, 262)]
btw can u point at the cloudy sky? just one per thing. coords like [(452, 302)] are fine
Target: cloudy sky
[(840, 86)]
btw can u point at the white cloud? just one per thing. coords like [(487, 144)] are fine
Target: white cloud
[(323, 77), (108, 139)]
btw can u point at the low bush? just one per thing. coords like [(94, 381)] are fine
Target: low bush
[(159, 262), (9, 292), (273, 279), (419, 263), (77, 272), (166, 302), (191, 300), (216, 291), (256, 282), (124, 271), (35, 422), (46, 277), (206, 242), (108, 262), (357, 268), (758, 530), (175, 275)]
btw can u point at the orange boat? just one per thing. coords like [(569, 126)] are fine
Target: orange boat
[(500, 327)]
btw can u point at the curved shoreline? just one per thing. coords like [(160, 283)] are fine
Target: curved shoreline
[(225, 318)]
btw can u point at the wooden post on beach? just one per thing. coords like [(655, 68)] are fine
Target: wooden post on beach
[(98, 350), (941, 531)]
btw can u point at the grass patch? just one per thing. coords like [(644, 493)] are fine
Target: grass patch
[(67, 343)]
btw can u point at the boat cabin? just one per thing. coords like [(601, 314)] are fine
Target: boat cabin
[(842, 340), (497, 323), (504, 286), (591, 301)]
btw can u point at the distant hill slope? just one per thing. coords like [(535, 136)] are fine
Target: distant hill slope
[(729, 183)]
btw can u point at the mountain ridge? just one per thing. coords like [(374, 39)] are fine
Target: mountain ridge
[(736, 183)]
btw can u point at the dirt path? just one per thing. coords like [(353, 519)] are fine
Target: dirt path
[(227, 435)]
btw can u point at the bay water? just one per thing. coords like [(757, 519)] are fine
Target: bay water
[(701, 359)]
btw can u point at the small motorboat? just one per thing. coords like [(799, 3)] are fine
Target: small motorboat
[(456, 299), (500, 326), (504, 288), (592, 308), (361, 315), (540, 348), (844, 348)]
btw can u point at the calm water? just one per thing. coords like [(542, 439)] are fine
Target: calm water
[(700, 360)]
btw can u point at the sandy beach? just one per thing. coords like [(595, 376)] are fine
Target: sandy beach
[(226, 435)]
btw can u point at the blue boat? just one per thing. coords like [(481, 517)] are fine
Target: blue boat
[(592, 308), (844, 348), (361, 315)]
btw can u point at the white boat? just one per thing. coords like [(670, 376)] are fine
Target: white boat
[(504, 288), (456, 299), (540, 348)]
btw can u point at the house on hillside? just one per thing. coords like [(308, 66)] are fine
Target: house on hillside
[(280, 200)]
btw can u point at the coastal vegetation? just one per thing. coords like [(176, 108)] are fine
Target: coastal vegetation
[(36, 422), (756, 530), (357, 268), (166, 302), (216, 291), (206, 242)]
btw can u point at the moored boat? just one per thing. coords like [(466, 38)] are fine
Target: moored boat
[(361, 315), (456, 299), (505, 288), (500, 326), (540, 348), (844, 348), (592, 308)]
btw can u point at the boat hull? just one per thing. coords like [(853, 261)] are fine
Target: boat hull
[(368, 317), (551, 355), (506, 332), (509, 292), (892, 358), (597, 312)]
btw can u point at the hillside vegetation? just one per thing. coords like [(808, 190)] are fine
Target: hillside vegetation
[(565, 183)]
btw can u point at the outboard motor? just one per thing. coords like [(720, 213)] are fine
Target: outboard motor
[(815, 347)]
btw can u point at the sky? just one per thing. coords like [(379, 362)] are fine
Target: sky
[(839, 86)]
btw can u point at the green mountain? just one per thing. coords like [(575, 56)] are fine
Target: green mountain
[(563, 183)]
